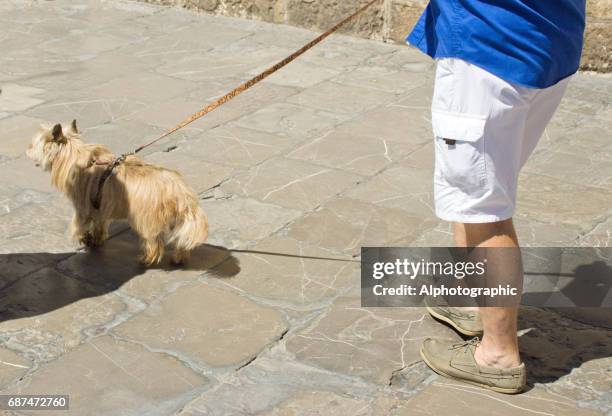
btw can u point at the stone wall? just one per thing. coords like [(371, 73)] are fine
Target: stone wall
[(390, 21)]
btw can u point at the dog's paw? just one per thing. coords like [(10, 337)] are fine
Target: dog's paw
[(177, 262), (147, 261), (86, 240), (98, 240), (179, 258), (91, 240)]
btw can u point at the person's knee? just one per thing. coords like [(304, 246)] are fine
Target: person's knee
[(475, 234)]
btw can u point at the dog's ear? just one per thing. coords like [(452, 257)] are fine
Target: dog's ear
[(57, 133), (73, 127)]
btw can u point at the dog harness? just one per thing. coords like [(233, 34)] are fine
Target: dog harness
[(97, 199)]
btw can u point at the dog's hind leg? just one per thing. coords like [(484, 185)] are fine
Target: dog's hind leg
[(188, 235), (153, 251)]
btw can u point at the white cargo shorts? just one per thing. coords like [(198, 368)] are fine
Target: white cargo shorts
[(484, 128)]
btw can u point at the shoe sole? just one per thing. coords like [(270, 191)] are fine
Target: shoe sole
[(452, 323), (472, 382)]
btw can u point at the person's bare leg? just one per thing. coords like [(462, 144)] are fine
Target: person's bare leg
[(499, 346)]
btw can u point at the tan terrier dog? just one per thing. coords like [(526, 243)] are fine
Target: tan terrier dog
[(156, 202)]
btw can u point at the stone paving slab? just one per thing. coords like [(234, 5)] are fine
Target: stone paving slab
[(372, 344), (230, 333), (454, 402), (109, 376), (356, 224), (291, 183), (332, 153), (292, 275)]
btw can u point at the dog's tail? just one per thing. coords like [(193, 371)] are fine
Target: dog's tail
[(192, 232)]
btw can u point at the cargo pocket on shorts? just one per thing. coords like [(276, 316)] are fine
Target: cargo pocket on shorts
[(460, 145)]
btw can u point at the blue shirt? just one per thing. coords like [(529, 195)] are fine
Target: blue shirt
[(534, 43)]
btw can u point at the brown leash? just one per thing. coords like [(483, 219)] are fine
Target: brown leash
[(97, 200)]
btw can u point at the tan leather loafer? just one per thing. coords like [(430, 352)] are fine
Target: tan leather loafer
[(456, 361)]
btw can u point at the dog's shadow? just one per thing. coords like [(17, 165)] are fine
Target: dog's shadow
[(33, 284)]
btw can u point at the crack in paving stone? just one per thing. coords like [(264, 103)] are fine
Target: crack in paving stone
[(273, 378), (250, 361), (185, 360)]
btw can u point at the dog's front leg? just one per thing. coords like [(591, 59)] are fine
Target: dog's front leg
[(79, 229), (99, 232)]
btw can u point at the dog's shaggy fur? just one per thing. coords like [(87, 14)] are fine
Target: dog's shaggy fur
[(156, 202)]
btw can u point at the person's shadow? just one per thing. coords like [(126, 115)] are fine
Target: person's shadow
[(36, 283), (557, 340), (552, 345)]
